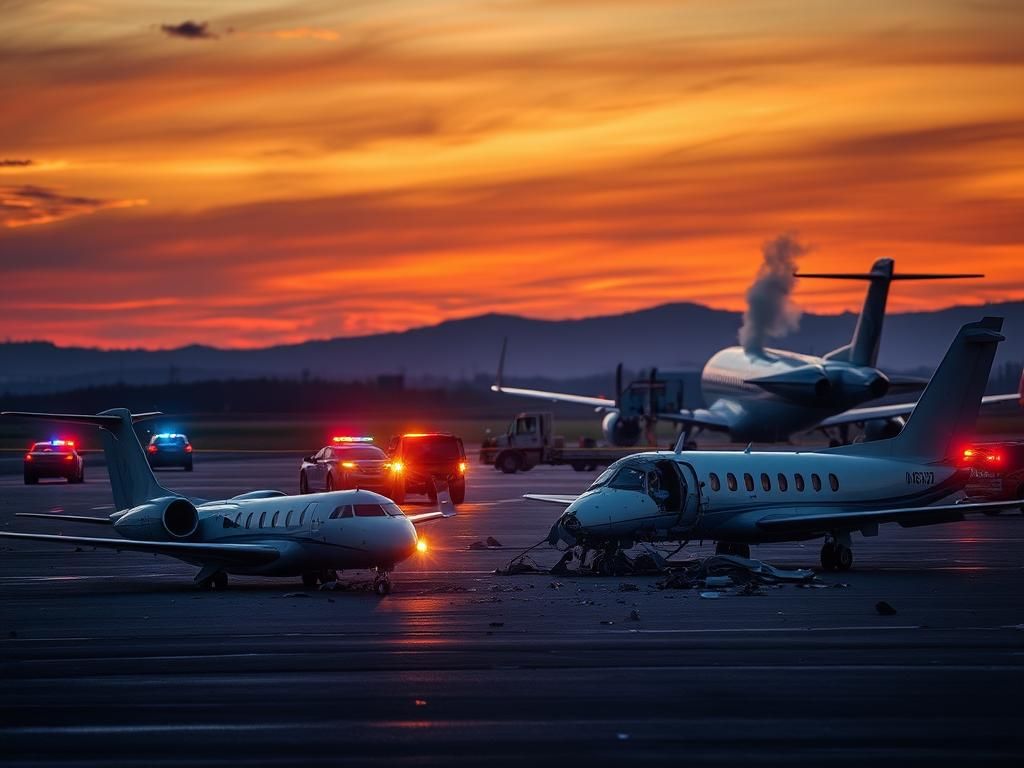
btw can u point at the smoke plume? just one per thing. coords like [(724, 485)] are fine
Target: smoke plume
[(771, 312)]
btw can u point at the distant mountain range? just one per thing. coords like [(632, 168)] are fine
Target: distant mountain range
[(670, 336)]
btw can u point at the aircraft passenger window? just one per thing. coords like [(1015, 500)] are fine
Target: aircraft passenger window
[(799, 479), (833, 481), (816, 482), (783, 484), (345, 510), (731, 480), (629, 479), (748, 481), (288, 520), (369, 510), (263, 516), (273, 522), (302, 517), (766, 483), (715, 483), (248, 521), (238, 520)]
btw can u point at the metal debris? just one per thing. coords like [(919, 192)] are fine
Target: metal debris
[(884, 609)]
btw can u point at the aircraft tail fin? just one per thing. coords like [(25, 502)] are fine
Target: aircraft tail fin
[(863, 347), (948, 409), (131, 478)]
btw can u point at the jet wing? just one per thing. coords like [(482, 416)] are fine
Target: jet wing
[(699, 417), (67, 518), (238, 554), (551, 498), (557, 397), (819, 520), (890, 411)]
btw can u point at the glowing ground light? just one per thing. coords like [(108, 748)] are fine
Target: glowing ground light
[(421, 545)]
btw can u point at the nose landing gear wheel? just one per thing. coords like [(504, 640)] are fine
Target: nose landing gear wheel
[(382, 583)]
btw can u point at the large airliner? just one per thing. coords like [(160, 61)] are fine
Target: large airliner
[(741, 498), (769, 395), (260, 533)]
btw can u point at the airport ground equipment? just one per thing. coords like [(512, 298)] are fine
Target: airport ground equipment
[(758, 394), (741, 498), (423, 462), (259, 533), (56, 459), (170, 449), (348, 462), (530, 440)]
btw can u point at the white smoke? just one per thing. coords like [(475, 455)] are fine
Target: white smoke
[(771, 312)]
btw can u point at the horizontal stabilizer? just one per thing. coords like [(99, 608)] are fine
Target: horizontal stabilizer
[(99, 420)]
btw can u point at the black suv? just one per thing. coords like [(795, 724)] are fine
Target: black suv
[(416, 460)]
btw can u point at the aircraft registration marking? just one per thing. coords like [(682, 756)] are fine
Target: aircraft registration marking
[(920, 478)]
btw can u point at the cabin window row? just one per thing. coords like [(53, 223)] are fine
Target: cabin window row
[(782, 482), (290, 519)]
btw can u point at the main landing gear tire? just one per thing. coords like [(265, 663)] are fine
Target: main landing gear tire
[(509, 463), (836, 557), (732, 548), (217, 581), (303, 483)]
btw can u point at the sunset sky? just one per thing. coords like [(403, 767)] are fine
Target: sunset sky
[(252, 173)]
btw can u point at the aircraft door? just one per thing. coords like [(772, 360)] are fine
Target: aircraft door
[(692, 501)]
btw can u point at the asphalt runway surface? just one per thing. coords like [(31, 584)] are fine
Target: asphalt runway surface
[(117, 658)]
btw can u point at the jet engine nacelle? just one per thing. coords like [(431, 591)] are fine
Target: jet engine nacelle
[(883, 429), (620, 431), (168, 519)]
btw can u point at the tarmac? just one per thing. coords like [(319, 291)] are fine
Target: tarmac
[(117, 658)]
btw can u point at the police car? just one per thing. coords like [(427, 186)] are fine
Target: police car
[(170, 449), (997, 471), (348, 462), (54, 458)]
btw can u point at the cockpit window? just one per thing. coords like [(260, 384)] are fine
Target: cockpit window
[(629, 479), (602, 479), (369, 510), (393, 509)]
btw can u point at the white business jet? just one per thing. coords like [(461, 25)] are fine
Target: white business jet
[(742, 498), (261, 533)]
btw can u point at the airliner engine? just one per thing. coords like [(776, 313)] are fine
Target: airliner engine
[(621, 431)]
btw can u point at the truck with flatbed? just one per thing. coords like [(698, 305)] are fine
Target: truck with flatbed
[(530, 440)]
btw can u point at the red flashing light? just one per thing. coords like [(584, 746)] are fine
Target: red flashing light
[(28, 457), (151, 449), (188, 447), (969, 453)]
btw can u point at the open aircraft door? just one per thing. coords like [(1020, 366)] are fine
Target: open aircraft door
[(679, 494), (694, 502)]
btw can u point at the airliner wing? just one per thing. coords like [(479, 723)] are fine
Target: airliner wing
[(239, 554), (822, 520), (855, 415), (551, 498)]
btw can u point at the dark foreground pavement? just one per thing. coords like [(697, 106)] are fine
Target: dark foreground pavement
[(116, 657)]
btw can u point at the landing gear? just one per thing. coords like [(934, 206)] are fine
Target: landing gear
[(732, 548), (836, 556), (217, 580), (382, 582)]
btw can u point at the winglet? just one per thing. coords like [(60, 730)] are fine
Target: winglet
[(496, 386)]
